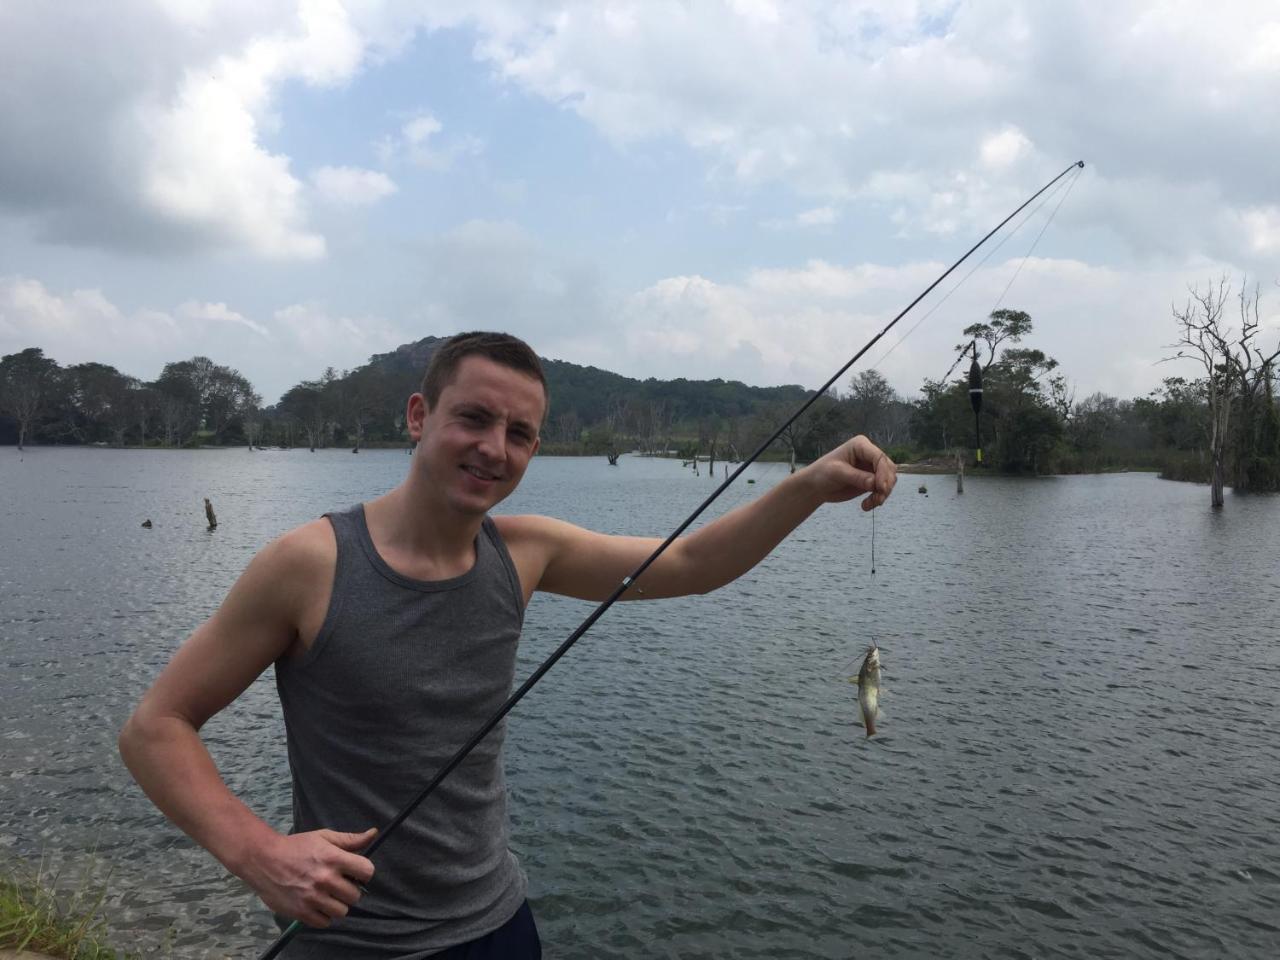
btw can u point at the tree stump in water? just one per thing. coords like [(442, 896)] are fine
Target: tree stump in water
[(210, 515)]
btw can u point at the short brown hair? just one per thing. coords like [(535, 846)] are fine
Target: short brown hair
[(501, 348)]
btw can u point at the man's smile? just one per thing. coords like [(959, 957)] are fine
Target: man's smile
[(480, 474)]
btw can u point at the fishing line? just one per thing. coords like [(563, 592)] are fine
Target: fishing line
[(873, 543), (870, 594), (627, 581), (1065, 193), (1000, 299), (981, 263)]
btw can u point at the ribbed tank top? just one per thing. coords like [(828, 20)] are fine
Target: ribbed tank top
[(400, 675)]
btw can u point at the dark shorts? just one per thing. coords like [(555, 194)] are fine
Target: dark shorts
[(517, 939)]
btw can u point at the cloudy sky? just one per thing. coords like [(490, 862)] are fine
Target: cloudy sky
[(738, 189)]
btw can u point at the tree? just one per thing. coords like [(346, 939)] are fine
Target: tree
[(1263, 466), (364, 401), (870, 401), (177, 402), (227, 397), (143, 404), (97, 402), (942, 418), (1174, 413), (809, 435), (26, 381), (1236, 370), (304, 403), (1251, 445), (1002, 325), (1026, 425)]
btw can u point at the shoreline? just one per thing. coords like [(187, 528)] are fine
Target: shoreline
[(931, 466)]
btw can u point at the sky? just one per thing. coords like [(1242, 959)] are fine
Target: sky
[(741, 189)]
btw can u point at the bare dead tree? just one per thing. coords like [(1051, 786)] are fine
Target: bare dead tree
[(1205, 339)]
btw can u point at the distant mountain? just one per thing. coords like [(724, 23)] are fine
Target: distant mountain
[(592, 394)]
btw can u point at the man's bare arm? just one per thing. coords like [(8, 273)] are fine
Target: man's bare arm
[(561, 558), (305, 876)]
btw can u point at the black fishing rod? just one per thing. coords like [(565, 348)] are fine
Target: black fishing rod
[(294, 928)]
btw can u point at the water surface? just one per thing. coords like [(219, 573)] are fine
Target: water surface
[(1081, 735)]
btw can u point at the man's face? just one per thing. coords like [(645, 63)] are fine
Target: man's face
[(478, 439)]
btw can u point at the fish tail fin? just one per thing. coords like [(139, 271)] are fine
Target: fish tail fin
[(869, 721)]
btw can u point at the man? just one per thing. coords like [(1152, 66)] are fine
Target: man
[(392, 627)]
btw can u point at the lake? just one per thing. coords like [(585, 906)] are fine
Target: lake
[(1080, 747)]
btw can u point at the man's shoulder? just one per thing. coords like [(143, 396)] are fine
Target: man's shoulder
[(526, 526), (535, 535), (305, 551)]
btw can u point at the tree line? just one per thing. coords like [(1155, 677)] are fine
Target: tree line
[(1222, 427)]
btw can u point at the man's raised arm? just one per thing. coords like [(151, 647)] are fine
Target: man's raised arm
[(562, 558)]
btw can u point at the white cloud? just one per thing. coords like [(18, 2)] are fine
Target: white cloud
[(836, 101), (1002, 150), (1262, 227), (1107, 328), (155, 140), (158, 140), (81, 326), (817, 217), (84, 325), (351, 186), (341, 341), (220, 313), (205, 165), (418, 143), (814, 217), (419, 129), (496, 275)]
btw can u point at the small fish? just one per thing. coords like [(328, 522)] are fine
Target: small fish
[(868, 681)]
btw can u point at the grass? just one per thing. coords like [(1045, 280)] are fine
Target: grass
[(33, 917)]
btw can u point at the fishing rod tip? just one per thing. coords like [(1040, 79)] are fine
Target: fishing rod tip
[(1080, 164)]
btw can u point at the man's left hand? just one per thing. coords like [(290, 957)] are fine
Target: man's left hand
[(854, 468)]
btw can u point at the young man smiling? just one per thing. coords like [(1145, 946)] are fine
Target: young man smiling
[(392, 627)]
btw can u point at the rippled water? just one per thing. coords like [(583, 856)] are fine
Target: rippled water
[(1081, 735)]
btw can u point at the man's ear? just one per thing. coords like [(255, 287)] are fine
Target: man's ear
[(415, 416)]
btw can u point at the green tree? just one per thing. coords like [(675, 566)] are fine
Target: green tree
[(1000, 326), (304, 404), (942, 418), (27, 381), (98, 402)]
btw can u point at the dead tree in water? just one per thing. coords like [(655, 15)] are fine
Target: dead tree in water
[(210, 515), (959, 473), (1236, 370)]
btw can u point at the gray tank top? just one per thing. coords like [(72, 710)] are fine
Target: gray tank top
[(402, 672)]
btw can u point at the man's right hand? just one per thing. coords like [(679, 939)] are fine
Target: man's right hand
[(314, 877)]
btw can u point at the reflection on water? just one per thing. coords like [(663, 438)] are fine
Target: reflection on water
[(1080, 750)]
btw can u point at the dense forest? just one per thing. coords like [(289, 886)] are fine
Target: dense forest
[(1223, 426)]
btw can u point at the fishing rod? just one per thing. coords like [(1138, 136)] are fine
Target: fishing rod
[(627, 581)]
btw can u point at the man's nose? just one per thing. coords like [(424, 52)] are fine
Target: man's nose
[(493, 443)]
